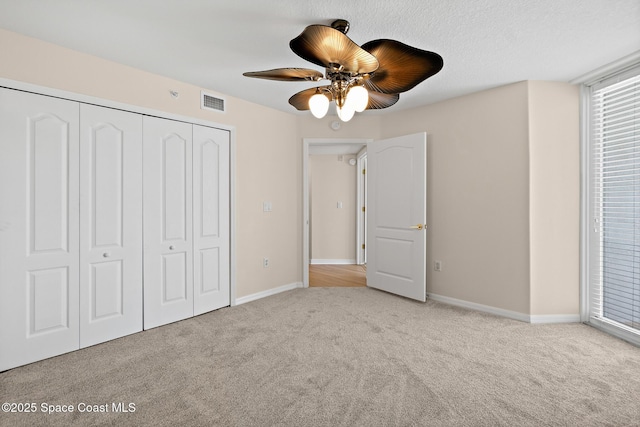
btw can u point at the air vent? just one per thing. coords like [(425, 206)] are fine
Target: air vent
[(210, 102)]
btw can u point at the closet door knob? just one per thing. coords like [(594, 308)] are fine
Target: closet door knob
[(105, 255), (171, 247)]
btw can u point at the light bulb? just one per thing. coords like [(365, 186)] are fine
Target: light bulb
[(358, 97), (346, 112), (319, 105)]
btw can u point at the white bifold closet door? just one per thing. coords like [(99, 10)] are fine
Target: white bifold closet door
[(186, 220), (210, 219), (39, 240), (90, 199), (168, 225), (110, 224)]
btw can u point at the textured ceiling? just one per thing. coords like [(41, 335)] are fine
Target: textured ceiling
[(210, 43)]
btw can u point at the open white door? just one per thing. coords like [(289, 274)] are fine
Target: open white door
[(397, 213)]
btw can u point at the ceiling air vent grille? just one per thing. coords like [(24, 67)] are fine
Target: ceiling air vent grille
[(213, 103)]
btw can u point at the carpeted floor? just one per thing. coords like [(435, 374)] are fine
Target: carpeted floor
[(340, 357)]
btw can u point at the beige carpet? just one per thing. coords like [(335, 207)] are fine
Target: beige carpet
[(340, 357)]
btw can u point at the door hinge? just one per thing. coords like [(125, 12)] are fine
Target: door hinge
[(364, 209), (363, 246), (364, 171)]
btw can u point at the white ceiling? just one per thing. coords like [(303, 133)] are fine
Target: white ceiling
[(210, 43)]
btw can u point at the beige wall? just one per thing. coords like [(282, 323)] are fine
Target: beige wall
[(554, 165), (333, 229), (478, 194), (266, 140), (361, 126)]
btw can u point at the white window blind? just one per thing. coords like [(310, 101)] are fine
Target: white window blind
[(615, 201)]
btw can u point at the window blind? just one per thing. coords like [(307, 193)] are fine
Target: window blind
[(615, 200)]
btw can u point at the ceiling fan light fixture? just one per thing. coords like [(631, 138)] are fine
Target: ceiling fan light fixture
[(367, 77), (358, 98), (319, 105), (346, 112)]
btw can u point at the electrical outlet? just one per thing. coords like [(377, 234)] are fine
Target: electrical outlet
[(265, 262), (437, 265)]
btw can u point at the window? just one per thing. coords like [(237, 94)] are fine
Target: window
[(613, 194)]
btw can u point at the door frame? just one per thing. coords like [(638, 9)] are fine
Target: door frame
[(87, 99), (306, 143), (361, 222)]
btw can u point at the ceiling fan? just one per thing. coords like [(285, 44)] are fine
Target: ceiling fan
[(364, 77)]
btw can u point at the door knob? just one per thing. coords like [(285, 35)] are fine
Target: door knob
[(105, 255), (417, 227), (171, 247)]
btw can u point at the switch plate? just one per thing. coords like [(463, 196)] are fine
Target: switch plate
[(267, 206), (437, 265), (339, 205), (265, 262)]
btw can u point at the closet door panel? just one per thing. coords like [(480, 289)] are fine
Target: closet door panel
[(168, 280), (210, 218), (111, 224), (38, 227)]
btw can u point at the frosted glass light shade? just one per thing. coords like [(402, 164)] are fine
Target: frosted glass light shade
[(346, 112), (358, 97), (319, 105)]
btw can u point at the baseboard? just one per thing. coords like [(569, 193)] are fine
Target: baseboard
[(332, 261), (268, 293), (554, 318), (533, 318), (480, 307)]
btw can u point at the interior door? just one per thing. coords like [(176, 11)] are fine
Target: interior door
[(168, 232), (110, 224), (38, 240), (396, 235), (210, 219)]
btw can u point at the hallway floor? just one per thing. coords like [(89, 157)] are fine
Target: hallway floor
[(334, 275)]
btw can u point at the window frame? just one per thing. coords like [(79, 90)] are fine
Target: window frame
[(619, 70)]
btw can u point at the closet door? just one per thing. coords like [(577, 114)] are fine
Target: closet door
[(210, 218), (110, 224), (168, 233), (38, 227)]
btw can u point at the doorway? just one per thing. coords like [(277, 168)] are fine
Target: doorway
[(353, 153)]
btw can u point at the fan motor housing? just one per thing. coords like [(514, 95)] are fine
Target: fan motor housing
[(341, 25)]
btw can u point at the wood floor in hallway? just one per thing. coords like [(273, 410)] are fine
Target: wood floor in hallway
[(334, 275)]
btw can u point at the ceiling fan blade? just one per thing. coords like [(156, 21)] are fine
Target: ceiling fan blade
[(301, 99), (378, 100), (287, 74), (329, 48), (401, 66)]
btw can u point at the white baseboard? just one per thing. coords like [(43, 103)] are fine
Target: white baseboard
[(332, 261), (538, 319), (480, 307), (268, 293), (554, 318)]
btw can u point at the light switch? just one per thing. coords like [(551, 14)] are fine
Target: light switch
[(339, 205), (266, 206)]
